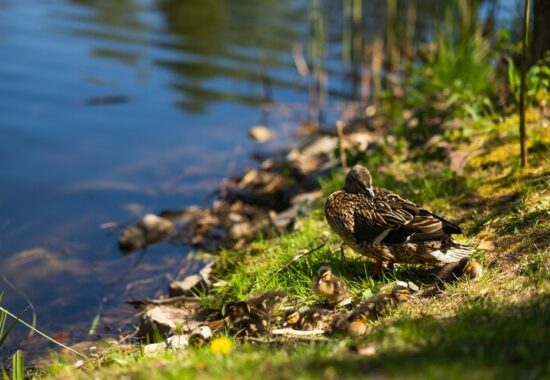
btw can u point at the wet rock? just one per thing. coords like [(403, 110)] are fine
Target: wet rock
[(165, 320), (149, 230), (260, 133), (262, 188)]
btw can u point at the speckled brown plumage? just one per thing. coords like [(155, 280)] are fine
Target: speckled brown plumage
[(356, 322), (310, 319), (380, 224), (253, 317)]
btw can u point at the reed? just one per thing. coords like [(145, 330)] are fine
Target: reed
[(524, 52)]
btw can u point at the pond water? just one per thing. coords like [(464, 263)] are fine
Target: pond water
[(112, 109)]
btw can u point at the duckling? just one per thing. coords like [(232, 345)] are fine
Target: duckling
[(378, 223), (311, 319), (375, 307), (270, 301), (243, 319), (354, 323), (466, 267), (330, 287), (358, 325), (253, 317)]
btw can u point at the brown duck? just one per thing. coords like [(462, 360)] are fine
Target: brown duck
[(380, 224)]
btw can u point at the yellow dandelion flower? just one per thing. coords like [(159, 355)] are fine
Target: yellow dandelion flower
[(221, 345)]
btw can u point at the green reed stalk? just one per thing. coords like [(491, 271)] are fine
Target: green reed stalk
[(524, 52)]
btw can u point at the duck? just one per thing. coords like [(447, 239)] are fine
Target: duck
[(253, 316), (333, 288), (380, 224), (465, 268), (314, 318)]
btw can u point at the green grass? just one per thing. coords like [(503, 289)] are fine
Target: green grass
[(494, 328), (497, 327)]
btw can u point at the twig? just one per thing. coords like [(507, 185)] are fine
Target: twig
[(41, 333), (293, 260), (164, 301), (297, 333), (340, 125)]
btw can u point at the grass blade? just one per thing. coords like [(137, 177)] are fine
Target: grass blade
[(27, 299), (41, 333), (18, 369)]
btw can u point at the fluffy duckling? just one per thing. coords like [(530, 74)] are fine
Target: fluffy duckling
[(311, 319), (253, 317), (466, 267), (243, 319), (378, 305), (332, 288), (270, 301), (356, 322)]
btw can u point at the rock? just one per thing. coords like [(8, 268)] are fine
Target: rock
[(149, 230), (197, 337), (260, 133), (241, 230), (188, 286), (165, 320), (200, 335), (300, 205), (357, 142), (320, 145), (192, 284), (154, 348)]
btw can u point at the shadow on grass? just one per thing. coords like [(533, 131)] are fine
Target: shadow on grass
[(484, 340)]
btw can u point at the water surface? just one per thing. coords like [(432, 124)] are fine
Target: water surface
[(112, 109)]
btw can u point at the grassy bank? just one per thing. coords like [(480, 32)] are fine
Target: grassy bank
[(496, 327), (451, 145)]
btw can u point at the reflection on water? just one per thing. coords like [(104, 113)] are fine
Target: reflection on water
[(111, 109)]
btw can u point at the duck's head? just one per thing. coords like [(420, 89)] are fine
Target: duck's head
[(325, 274), (359, 181), (401, 293), (292, 317)]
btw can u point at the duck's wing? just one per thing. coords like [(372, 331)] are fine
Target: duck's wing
[(390, 219)]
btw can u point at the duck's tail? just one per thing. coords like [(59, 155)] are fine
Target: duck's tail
[(452, 252)]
